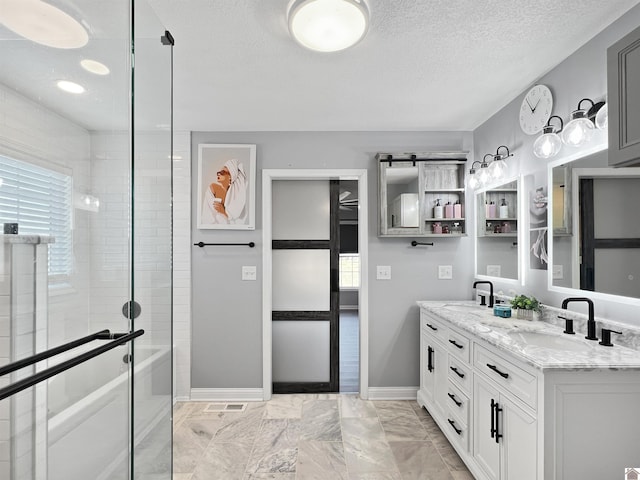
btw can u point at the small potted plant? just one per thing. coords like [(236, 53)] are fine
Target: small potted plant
[(527, 308)]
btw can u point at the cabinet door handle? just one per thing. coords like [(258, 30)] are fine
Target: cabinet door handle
[(452, 423), (430, 359), (432, 327), (498, 434), (455, 400), (455, 344), (493, 418), (457, 372), (495, 369)]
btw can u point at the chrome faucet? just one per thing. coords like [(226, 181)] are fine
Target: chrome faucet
[(591, 322), (490, 290)]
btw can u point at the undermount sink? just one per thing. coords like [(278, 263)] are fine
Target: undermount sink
[(550, 341), (465, 308)]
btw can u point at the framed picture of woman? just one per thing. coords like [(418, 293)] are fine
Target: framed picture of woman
[(226, 186)]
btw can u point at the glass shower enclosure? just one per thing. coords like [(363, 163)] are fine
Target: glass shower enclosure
[(86, 254)]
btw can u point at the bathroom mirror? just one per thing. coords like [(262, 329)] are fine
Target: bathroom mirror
[(497, 246), (600, 249)]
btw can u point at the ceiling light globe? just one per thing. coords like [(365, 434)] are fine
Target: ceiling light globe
[(547, 145), (43, 23), (602, 117), (328, 25), (578, 131)]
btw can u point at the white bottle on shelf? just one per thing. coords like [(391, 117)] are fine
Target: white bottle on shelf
[(437, 210), (504, 209)]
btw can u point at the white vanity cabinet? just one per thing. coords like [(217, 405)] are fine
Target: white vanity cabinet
[(518, 412)]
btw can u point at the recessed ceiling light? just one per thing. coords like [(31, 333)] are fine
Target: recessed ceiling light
[(328, 25), (94, 66), (70, 87), (43, 23)]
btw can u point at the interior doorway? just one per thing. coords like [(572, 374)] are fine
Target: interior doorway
[(358, 378)]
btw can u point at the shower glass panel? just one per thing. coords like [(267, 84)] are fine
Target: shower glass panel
[(86, 174)]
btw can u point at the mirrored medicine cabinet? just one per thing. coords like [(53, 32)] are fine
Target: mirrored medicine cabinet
[(596, 219), (498, 227), (422, 194)]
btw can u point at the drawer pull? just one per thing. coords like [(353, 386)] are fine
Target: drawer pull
[(430, 359), (455, 344), (432, 327), (452, 423), (453, 397), (457, 372), (495, 369)]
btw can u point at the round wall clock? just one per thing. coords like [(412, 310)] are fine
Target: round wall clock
[(535, 109)]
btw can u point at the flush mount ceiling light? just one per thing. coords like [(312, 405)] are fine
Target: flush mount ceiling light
[(70, 87), (328, 25), (43, 23), (94, 66)]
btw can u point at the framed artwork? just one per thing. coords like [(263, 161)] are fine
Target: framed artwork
[(226, 186)]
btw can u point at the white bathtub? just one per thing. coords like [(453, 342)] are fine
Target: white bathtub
[(88, 432)]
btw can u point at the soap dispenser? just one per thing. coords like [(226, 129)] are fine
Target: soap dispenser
[(437, 210), (491, 210), (457, 209), (504, 209), (448, 210)]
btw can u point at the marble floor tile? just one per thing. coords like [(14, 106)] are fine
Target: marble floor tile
[(362, 429), (276, 446), (368, 456), (354, 406), (419, 460), (321, 461), (312, 437), (404, 427), (392, 408), (375, 476), (285, 406), (222, 461)]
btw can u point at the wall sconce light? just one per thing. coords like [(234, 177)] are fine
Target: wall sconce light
[(84, 201), (472, 179), (484, 175), (602, 117), (498, 167), (578, 131), (549, 143), (328, 25)]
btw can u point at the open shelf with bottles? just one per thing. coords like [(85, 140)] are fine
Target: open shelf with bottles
[(497, 212), (422, 194)]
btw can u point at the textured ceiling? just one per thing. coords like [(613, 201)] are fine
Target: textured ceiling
[(424, 65)]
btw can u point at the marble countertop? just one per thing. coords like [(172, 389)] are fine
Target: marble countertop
[(539, 344)]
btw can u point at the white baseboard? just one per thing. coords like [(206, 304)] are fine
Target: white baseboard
[(227, 394), (393, 393), (181, 398)]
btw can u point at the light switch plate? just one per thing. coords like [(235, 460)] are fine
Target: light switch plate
[(445, 272), (383, 272), (249, 272), (558, 272)]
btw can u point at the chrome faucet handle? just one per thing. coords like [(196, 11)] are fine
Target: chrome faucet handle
[(606, 337)]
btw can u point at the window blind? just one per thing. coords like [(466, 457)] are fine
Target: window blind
[(40, 201)]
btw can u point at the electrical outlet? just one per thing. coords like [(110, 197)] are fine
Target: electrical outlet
[(445, 272), (383, 272), (249, 272), (558, 272)]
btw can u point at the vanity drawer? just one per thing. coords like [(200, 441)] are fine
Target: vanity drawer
[(457, 403), (433, 327), (457, 431), (459, 373), (512, 378), (459, 345)]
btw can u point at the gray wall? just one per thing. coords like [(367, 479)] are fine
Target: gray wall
[(581, 75), (227, 316)]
